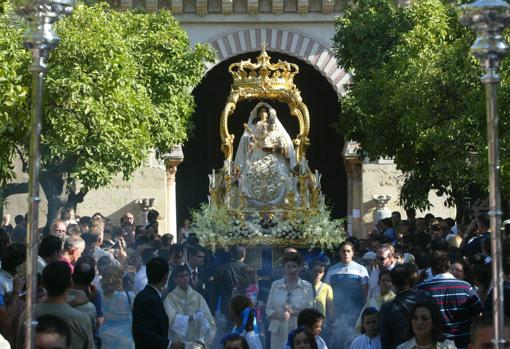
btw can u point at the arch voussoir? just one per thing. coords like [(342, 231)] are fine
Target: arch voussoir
[(287, 41)]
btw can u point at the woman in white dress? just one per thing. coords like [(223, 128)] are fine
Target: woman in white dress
[(287, 297)]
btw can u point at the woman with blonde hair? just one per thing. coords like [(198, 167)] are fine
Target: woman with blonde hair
[(117, 310)]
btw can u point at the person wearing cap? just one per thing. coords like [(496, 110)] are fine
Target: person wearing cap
[(368, 260)]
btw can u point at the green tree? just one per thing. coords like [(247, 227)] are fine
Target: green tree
[(14, 116), (119, 84), (416, 96)]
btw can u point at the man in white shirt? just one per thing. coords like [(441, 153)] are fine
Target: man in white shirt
[(141, 275)]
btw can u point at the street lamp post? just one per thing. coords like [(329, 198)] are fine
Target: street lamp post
[(488, 18), (39, 39)]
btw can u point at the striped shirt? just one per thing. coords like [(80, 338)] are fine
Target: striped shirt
[(458, 303)]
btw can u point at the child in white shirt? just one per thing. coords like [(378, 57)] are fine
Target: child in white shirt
[(370, 331)]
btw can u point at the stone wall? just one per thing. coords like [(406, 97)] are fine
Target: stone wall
[(384, 179), (121, 196), (113, 200)]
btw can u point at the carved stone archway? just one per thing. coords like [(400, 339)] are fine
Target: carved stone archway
[(287, 41)]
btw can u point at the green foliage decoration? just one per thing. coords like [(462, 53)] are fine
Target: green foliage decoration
[(221, 227)]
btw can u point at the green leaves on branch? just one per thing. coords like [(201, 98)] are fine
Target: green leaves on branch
[(416, 96), (14, 102), (119, 85)]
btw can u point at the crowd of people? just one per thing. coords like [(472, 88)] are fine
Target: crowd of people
[(414, 283)]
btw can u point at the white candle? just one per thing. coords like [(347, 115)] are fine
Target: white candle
[(213, 178), (304, 165), (241, 183), (227, 167), (210, 181), (317, 179)]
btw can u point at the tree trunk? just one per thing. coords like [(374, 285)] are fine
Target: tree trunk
[(53, 185), (59, 195), (73, 199), (11, 189), (460, 209)]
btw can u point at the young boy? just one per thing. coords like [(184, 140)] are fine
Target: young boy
[(313, 320), (385, 295), (52, 332), (370, 338), (234, 341)]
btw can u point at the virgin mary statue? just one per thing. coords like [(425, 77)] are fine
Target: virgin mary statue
[(265, 157)]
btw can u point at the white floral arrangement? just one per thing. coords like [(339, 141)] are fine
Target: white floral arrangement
[(220, 227)]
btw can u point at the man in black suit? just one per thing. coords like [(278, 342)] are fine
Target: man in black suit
[(226, 280), (150, 322), (198, 276)]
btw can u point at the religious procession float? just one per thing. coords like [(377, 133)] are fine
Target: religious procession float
[(266, 195)]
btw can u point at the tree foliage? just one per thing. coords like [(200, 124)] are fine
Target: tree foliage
[(119, 84), (14, 82), (416, 96)]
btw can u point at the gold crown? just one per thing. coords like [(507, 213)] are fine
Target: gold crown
[(264, 75)]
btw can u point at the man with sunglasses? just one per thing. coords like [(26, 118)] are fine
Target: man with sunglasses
[(385, 261)]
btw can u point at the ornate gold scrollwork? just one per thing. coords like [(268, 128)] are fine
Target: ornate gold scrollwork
[(265, 80)]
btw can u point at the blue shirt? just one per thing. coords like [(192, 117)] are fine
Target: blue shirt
[(391, 234)]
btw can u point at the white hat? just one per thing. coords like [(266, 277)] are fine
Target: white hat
[(370, 256)]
